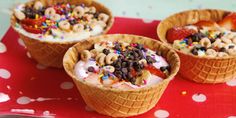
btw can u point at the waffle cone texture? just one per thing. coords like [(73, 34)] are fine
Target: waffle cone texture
[(112, 101), (51, 53), (200, 69)]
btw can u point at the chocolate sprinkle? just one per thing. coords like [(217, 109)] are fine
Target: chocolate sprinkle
[(129, 62), (106, 51), (231, 46), (194, 51), (222, 49)]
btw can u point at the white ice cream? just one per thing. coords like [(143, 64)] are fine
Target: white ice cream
[(81, 72), (62, 36)]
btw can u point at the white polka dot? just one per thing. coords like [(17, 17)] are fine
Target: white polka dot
[(46, 113), (40, 67), (231, 117), (23, 100), (3, 48), (147, 20), (67, 85), (5, 74), (28, 55), (231, 82), (199, 97), (20, 92), (8, 87), (161, 114), (4, 97), (28, 111), (69, 98), (20, 41), (89, 109)]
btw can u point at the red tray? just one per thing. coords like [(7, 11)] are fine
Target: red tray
[(46, 91)]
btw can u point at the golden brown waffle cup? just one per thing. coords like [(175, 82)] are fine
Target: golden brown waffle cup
[(51, 53), (115, 102), (200, 69)]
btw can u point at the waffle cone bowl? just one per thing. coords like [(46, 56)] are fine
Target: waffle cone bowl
[(116, 102), (200, 69), (51, 53)]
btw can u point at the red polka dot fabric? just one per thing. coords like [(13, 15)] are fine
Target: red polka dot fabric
[(32, 89)]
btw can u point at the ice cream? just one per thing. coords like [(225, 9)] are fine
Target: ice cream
[(121, 65), (62, 22)]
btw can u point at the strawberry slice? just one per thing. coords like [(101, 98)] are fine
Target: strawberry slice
[(204, 23), (33, 22), (156, 71), (31, 29), (229, 22), (177, 33)]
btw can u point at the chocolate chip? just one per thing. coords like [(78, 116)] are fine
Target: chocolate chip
[(139, 46), (222, 49), (73, 22), (133, 80), (194, 38), (124, 76), (137, 66), (165, 68), (144, 49), (118, 66), (95, 15), (131, 57), (87, 27), (30, 12), (120, 58), (135, 63), (197, 37), (202, 48), (106, 51), (231, 46), (136, 55), (91, 69), (212, 40), (140, 53), (194, 51), (220, 35), (168, 68), (118, 74), (130, 63), (158, 53), (150, 60), (124, 64), (124, 70), (138, 69)]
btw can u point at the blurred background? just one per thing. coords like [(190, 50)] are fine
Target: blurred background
[(146, 9)]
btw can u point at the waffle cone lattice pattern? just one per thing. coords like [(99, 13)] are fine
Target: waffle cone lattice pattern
[(115, 102), (51, 53), (200, 69)]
